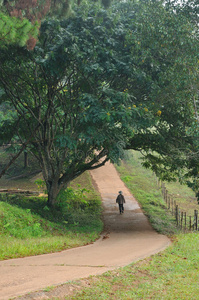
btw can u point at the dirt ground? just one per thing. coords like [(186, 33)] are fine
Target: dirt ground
[(127, 238)]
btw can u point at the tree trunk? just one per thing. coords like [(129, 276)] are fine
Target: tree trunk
[(53, 191)]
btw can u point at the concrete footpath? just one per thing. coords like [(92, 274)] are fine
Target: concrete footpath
[(127, 238)]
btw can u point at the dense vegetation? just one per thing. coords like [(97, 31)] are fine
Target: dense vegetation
[(101, 81)]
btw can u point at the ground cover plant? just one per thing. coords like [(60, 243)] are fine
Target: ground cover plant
[(29, 227)]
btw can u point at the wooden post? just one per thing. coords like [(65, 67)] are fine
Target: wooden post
[(181, 221), (162, 185), (164, 192), (169, 200), (166, 195), (177, 214), (189, 222), (185, 220), (196, 219)]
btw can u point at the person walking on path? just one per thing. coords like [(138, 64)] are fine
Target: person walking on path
[(120, 200)]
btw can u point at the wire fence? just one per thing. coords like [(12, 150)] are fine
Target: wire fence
[(183, 220)]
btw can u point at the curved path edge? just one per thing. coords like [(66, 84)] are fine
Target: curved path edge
[(127, 238)]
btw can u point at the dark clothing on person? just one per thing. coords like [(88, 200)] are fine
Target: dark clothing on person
[(120, 200), (121, 208)]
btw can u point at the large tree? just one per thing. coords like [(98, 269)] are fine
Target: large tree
[(100, 82), (169, 59), (65, 107), (171, 147)]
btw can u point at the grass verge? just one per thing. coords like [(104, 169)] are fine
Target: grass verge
[(172, 274), (29, 227), (143, 185)]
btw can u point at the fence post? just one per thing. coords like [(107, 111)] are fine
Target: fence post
[(189, 222), (181, 221), (166, 196), (162, 185), (196, 219), (169, 200), (185, 220), (177, 214)]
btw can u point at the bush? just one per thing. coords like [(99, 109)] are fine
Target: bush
[(76, 207)]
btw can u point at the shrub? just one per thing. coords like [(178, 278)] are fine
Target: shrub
[(76, 207)]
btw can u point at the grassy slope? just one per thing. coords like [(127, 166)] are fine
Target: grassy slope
[(143, 185), (163, 276), (28, 227), (172, 274)]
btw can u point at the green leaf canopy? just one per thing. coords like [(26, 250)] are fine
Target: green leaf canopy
[(102, 81)]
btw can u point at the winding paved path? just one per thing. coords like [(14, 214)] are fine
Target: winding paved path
[(127, 238)]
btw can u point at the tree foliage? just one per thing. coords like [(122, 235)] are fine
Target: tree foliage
[(168, 59), (63, 96), (16, 31), (103, 81), (20, 19)]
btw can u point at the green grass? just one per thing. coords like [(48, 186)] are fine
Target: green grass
[(172, 274), (143, 185), (183, 196), (29, 227)]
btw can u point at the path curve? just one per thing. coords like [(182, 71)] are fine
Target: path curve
[(127, 238)]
